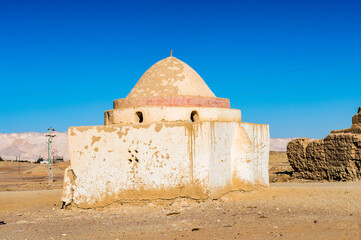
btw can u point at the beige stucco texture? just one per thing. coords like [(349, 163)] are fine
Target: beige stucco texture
[(195, 148), (170, 114), (170, 77)]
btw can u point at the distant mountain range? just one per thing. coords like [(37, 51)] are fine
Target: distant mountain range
[(31, 145), (279, 144)]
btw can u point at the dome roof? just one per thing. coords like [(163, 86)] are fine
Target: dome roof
[(170, 77)]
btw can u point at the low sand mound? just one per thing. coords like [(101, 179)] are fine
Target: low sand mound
[(62, 165), (42, 170)]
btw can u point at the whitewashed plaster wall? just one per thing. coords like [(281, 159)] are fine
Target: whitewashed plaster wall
[(163, 160), (170, 114)]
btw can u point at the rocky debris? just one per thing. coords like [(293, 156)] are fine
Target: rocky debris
[(334, 158)]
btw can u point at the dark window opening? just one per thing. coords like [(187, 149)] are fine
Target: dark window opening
[(140, 116), (194, 116)]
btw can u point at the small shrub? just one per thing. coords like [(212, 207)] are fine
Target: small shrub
[(1, 159), (40, 159)]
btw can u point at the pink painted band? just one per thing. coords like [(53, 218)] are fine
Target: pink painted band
[(178, 101)]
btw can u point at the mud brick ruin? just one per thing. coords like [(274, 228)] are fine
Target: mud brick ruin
[(170, 137), (335, 158)]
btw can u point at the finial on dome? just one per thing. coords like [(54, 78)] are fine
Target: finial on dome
[(171, 52)]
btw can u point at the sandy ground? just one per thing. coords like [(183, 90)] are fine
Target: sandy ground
[(24, 176), (285, 210)]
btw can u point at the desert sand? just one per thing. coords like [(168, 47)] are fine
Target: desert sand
[(30, 208)]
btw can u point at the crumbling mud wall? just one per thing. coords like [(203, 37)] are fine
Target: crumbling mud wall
[(334, 158)]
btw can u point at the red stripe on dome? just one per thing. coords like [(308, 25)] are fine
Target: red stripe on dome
[(176, 101)]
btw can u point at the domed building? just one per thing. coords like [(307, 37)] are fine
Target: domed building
[(170, 137)]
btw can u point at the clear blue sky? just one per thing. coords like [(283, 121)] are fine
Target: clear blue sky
[(295, 65)]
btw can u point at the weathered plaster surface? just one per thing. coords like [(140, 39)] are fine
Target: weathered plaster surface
[(170, 77), (160, 161), (255, 153), (170, 114)]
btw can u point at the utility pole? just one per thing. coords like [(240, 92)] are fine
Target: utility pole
[(50, 154)]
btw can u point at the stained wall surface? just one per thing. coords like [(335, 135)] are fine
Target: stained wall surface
[(163, 161)]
